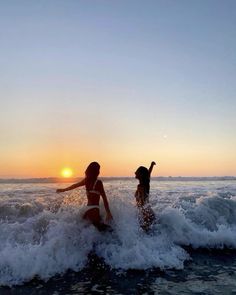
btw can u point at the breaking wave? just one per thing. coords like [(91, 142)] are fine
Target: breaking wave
[(43, 234)]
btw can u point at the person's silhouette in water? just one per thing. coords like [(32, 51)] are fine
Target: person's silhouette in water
[(94, 189), (146, 214)]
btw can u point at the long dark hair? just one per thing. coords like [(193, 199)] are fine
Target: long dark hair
[(143, 177), (91, 173)]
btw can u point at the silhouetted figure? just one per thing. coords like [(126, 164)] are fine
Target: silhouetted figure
[(94, 189), (146, 214)]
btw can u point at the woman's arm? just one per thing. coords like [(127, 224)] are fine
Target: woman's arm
[(73, 186), (106, 204), (151, 167)]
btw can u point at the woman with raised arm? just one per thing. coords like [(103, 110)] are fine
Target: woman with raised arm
[(146, 214), (94, 189)]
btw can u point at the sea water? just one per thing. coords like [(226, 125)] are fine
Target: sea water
[(46, 246)]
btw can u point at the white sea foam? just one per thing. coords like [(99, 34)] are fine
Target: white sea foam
[(42, 233)]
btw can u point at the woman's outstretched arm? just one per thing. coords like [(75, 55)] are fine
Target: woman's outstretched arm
[(73, 186)]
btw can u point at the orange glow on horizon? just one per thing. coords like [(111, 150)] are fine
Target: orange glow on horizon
[(51, 161)]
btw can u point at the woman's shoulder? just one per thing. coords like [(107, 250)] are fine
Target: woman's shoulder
[(99, 182), (99, 185)]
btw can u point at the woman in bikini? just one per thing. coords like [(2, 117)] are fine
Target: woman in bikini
[(146, 214), (94, 189)]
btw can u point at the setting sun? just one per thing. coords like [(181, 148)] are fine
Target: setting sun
[(66, 172)]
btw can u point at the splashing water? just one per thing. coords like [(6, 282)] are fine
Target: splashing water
[(42, 233)]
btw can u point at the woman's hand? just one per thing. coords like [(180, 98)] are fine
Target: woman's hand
[(60, 190)]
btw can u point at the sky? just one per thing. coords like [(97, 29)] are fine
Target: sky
[(119, 82)]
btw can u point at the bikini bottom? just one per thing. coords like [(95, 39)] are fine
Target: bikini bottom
[(93, 215)]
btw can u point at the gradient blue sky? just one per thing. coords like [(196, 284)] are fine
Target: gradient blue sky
[(120, 82)]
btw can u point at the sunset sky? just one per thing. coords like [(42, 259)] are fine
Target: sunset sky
[(119, 82)]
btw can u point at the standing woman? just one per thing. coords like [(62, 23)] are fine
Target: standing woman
[(146, 214), (94, 189)]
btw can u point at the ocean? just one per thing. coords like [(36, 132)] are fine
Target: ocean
[(47, 248)]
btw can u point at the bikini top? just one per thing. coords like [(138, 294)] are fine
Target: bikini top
[(93, 191)]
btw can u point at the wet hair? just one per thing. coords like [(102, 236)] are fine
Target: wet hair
[(144, 177), (92, 171)]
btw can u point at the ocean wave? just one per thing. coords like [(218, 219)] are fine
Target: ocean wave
[(43, 233)]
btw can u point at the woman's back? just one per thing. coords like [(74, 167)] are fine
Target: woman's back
[(93, 191)]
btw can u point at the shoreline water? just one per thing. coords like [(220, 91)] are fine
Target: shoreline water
[(208, 272)]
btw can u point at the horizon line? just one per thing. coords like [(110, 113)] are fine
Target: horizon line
[(73, 179)]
